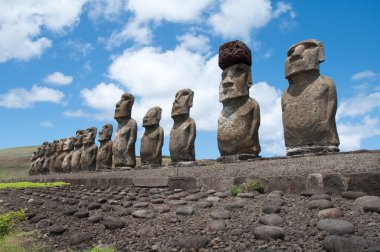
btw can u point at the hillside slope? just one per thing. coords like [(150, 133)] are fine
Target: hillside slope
[(15, 162)]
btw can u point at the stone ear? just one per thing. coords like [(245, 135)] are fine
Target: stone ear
[(321, 55), (190, 103), (159, 112)]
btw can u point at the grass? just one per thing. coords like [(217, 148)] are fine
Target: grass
[(19, 241), (99, 249), (8, 221), (15, 162), (26, 184), (249, 185)]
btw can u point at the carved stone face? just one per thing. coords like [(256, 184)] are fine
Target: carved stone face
[(236, 81), (61, 144), (124, 106), (89, 135), (68, 144), (106, 132), (78, 140), (152, 117), (183, 102), (50, 148), (303, 56)]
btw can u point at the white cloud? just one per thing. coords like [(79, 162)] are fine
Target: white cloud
[(46, 124), (367, 74), (23, 21), (169, 10), (351, 134), (237, 18), (135, 30), (102, 98), (271, 131), (78, 49), (22, 98), (75, 113), (58, 78), (105, 9), (359, 105), (196, 43)]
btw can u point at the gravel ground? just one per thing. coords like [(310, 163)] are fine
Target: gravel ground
[(351, 162), (228, 224)]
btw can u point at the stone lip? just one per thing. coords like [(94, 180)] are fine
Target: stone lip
[(358, 170)]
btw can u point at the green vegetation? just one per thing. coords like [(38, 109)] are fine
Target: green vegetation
[(8, 221), (99, 249), (249, 185), (26, 184), (18, 241), (15, 162)]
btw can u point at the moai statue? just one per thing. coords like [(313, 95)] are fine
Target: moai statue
[(183, 133), (153, 139), (123, 147), (60, 155), (90, 150), (41, 158), (104, 157), (238, 124), (33, 162), (77, 152), (68, 151), (309, 103), (50, 156)]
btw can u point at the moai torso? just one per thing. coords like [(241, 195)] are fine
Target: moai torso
[(309, 103), (90, 150), (123, 147), (236, 134), (183, 132), (153, 138), (104, 156), (60, 156), (239, 122), (68, 150), (77, 152)]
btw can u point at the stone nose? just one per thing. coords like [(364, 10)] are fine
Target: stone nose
[(298, 52)]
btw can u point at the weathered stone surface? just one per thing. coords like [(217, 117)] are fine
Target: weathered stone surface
[(81, 214), (153, 138), (320, 196), (215, 225), (235, 204), (114, 224), (332, 213), (268, 232), (309, 103), (77, 152), (182, 182), (336, 227), (213, 199), (372, 208), (334, 183), (162, 209), (144, 214), (366, 201), (220, 214), (268, 209), (183, 132), (104, 156), (90, 150), (320, 204), (123, 147), (193, 242), (249, 195), (271, 220), (203, 204), (151, 182), (353, 194), (366, 182), (239, 121), (95, 218), (57, 230), (80, 237), (314, 183), (68, 147), (185, 210), (93, 206)]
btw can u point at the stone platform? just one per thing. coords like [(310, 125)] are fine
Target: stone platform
[(333, 173)]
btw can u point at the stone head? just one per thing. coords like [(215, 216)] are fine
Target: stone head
[(124, 106), (183, 102), (152, 117), (89, 135), (68, 144), (50, 149), (106, 132), (61, 144), (304, 56), (43, 148), (55, 145), (235, 61), (78, 140)]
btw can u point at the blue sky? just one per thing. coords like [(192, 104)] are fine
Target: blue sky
[(64, 64)]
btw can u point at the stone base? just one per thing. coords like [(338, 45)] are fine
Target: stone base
[(149, 166), (311, 150), (236, 158), (183, 163), (124, 168)]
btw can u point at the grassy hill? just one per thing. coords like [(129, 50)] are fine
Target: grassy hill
[(15, 162)]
